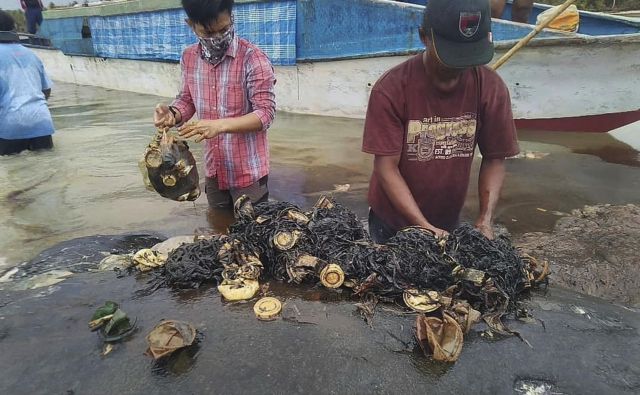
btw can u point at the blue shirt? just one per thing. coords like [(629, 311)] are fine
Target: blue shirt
[(23, 108)]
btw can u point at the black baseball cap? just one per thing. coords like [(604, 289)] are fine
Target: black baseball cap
[(460, 31)]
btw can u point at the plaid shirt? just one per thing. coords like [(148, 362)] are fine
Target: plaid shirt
[(240, 84)]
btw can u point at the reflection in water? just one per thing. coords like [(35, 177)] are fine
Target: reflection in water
[(90, 183), (220, 219), (601, 145), (428, 366), (179, 362), (628, 134)]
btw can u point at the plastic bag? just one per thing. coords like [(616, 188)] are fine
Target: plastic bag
[(568, 21), (440, 337), (169, 336), (170, 168)]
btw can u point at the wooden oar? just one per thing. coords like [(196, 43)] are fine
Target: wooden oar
[(524, 40)]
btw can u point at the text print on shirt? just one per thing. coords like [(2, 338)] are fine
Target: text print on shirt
[(441, 138)]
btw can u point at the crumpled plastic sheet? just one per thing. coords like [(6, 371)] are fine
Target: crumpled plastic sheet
[(169, 336)]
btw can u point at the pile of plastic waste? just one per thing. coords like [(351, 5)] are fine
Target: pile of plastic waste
[(451, 282)]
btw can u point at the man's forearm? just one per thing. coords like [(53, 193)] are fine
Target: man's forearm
[(244, 124), (491, 178), (396, 189)]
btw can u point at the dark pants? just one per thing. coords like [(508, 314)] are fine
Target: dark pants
[(8, 147), (379, 231), (258, 192), (34, 19)]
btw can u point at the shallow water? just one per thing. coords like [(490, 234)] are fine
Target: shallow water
[(90, 183)]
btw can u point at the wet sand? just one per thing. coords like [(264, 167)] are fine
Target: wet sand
[(595, 251), (323, 346)]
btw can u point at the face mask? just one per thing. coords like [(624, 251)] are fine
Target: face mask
[(214, 48)]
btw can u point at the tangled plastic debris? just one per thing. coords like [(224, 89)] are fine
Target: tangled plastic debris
[(451, 282), (169, 168)]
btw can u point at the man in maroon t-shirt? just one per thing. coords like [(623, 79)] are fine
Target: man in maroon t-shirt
[(424, 119)]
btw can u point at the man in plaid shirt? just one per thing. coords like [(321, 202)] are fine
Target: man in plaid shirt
[(228, 83)]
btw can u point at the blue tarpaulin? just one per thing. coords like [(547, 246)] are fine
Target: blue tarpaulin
[(66, 34), (163, 35)]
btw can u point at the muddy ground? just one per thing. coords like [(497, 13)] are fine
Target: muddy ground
[(319, 345), (595, 250)]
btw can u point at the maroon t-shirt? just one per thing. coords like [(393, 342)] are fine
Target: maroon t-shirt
[(436, 135)]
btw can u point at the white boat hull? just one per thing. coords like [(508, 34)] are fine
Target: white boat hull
[(572, 83)]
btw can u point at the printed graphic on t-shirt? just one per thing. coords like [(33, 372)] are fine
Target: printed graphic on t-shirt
[(441, 138)]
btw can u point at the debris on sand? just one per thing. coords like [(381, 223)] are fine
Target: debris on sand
[(168, 337), (113, 323), (593, 250), (450, 281)]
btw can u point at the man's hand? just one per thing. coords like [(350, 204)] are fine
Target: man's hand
[(485, 228), (440, 233), (163, 117), (204, 129)]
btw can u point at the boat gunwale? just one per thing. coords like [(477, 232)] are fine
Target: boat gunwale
[(598, 15), (499, 45), (578, 40), (132, 7), (123, 8)]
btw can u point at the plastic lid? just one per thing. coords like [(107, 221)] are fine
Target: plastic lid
[(267, 309), (169, 180), (332, 276), (153, 158), (286, 240)]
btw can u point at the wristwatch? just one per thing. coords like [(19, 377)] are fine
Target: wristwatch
[(174, 112)]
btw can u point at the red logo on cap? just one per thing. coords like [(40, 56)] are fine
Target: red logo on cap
[(469, 23)]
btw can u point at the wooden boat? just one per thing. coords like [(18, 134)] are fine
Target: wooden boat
[(328, 54)]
